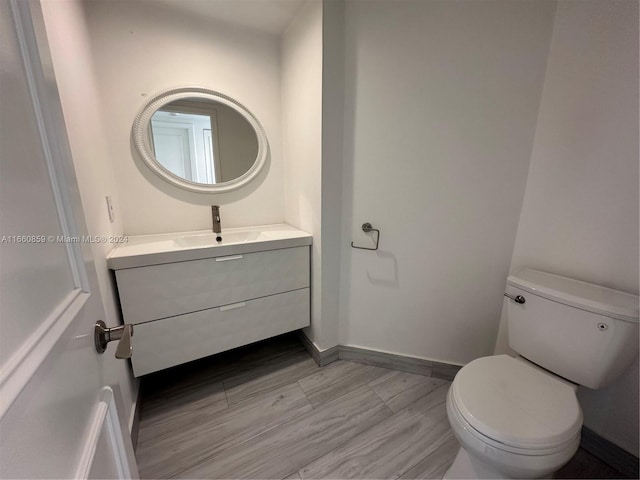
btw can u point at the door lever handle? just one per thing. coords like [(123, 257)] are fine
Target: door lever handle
[(125, 346), (103, 335)]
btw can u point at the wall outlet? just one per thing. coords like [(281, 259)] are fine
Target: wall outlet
[(112, 215)]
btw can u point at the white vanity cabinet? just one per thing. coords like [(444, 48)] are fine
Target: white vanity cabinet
[(187, 309)]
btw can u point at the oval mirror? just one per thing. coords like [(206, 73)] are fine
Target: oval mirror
[(200, 140)]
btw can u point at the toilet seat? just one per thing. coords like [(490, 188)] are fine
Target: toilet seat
[(461, 427), (516, 406)]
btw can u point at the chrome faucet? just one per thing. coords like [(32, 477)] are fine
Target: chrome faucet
[(215, 215)]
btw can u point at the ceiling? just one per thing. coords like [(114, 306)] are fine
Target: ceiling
[(270, 16)]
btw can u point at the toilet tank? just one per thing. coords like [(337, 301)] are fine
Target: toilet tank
[(580, 331)]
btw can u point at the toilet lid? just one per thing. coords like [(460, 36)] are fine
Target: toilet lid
[(515, 403)]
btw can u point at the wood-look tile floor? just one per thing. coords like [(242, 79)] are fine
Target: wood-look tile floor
[(268, 411)]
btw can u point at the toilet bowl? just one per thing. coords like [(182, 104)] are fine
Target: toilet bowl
[(512, 420), (520, 417)]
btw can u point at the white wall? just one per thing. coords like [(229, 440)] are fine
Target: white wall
[(580, 212), (237, 143), (83, 112), (313, 129), (441, 103), (142, 48), (302, 135), (333, 215)]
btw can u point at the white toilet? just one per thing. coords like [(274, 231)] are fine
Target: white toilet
[(520, 417)]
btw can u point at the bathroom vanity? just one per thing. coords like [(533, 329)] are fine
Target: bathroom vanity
[(189, 296)]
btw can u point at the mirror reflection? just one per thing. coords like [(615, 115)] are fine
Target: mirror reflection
[(202, 141)]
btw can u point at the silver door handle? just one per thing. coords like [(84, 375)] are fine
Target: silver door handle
[(103, 335), (516, 298)]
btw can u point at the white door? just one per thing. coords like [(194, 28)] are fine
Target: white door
[(58, 419), (210, 160), (173, 145)]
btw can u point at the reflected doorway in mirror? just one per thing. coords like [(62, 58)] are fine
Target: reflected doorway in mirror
[(200, 140)]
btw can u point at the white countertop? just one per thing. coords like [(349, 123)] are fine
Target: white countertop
[(144, 250)]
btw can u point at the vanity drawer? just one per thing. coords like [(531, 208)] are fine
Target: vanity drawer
[(160, 291), (171, 341)]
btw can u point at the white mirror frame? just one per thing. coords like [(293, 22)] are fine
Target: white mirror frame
[(145, 151)]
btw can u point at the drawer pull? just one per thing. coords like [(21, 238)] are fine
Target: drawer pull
[(233, 306), (232, 257)]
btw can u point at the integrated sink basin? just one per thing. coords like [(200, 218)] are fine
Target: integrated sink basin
[(144, 250), (232, 236), (209, 239)]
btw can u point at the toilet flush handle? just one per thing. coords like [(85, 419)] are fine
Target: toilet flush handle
[(516, 298)]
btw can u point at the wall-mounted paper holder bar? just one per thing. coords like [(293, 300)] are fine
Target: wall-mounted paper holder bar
[(366, 227)]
